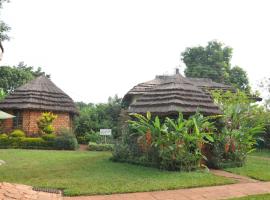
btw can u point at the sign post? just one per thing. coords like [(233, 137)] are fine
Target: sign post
[(105, 132)]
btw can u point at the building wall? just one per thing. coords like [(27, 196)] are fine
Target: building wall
[(30, 118)]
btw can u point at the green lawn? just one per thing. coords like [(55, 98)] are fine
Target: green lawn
[(257, 166), (82, 173), (254, 197)]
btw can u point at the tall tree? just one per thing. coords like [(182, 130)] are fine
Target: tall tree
[(214, 61), (238, 78), (4, 28), (13, 77)]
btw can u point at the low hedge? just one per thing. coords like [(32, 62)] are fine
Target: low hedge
[(92, 146), (61, 142)]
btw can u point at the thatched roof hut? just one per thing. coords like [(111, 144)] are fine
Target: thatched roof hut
[(167, 95), (39, 94), (30, 100)]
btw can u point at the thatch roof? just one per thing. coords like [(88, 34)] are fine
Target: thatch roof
[(39, 94), (171, 95), (203, 83)]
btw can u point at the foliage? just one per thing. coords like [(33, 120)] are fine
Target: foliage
[(17, 133), (89, 173), (66, 140), (92, 117), (172, 145), (213, 61), (239, 79), (239, 133), (13, 77), (48, 137), (265, 89), (2, 94), (45, 123), (4, 28), (92, 146)]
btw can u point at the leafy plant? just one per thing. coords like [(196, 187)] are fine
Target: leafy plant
[(168, 144), (240, 132), (45, 123), (17, 133)]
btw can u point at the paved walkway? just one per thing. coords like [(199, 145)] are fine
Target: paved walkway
[(10, 191)]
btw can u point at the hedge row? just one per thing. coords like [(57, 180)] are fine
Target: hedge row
[(92, 146), (63, 142)]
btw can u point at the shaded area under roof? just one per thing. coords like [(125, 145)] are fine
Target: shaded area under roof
[(39, 94)]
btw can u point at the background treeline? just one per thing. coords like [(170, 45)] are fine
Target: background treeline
[(94, 117)]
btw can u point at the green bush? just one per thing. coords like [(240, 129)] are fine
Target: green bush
[(3, 135), (33, 143), (173, 144), (89, 137), (49, 137), (45, 123), (66, 140), (17, 133), (92, 146)]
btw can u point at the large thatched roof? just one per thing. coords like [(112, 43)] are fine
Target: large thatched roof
[(39, 94), (203, 83), (170, 95)]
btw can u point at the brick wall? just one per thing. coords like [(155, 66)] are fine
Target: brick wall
[(30, 118)]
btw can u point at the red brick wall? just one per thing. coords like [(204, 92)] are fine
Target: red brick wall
[(30, 119)]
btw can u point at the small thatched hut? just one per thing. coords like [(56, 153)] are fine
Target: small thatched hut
[(29, 101), (167, 95)]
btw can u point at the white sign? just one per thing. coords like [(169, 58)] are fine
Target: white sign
[(105, 131)]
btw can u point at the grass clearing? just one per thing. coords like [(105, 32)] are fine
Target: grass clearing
[(254, 197), (257, 166), (88, 173)]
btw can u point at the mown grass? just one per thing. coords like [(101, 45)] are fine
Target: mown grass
[(257, 166), (88, 173), (254, 197)]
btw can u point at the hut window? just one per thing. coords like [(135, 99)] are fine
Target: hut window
[(17, 121)]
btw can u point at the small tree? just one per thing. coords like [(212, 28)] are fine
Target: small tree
[(45, 123)]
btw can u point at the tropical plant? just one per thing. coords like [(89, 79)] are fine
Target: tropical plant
[(45, 123), (240, 131), (172, 144)]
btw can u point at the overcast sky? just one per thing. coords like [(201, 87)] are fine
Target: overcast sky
[(95, 49)]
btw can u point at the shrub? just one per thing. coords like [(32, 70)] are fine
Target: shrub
[(92, 146), (17, 133), (48, 137), (66, 140), (171, 145), (33, 143), (45, 123), (240, 131), (3, 135), (89, 137)]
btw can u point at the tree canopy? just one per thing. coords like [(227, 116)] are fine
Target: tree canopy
[(13, 77), (4, 28), (214, 61), (94, 117)]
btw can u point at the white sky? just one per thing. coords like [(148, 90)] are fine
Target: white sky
[(97, 48)]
